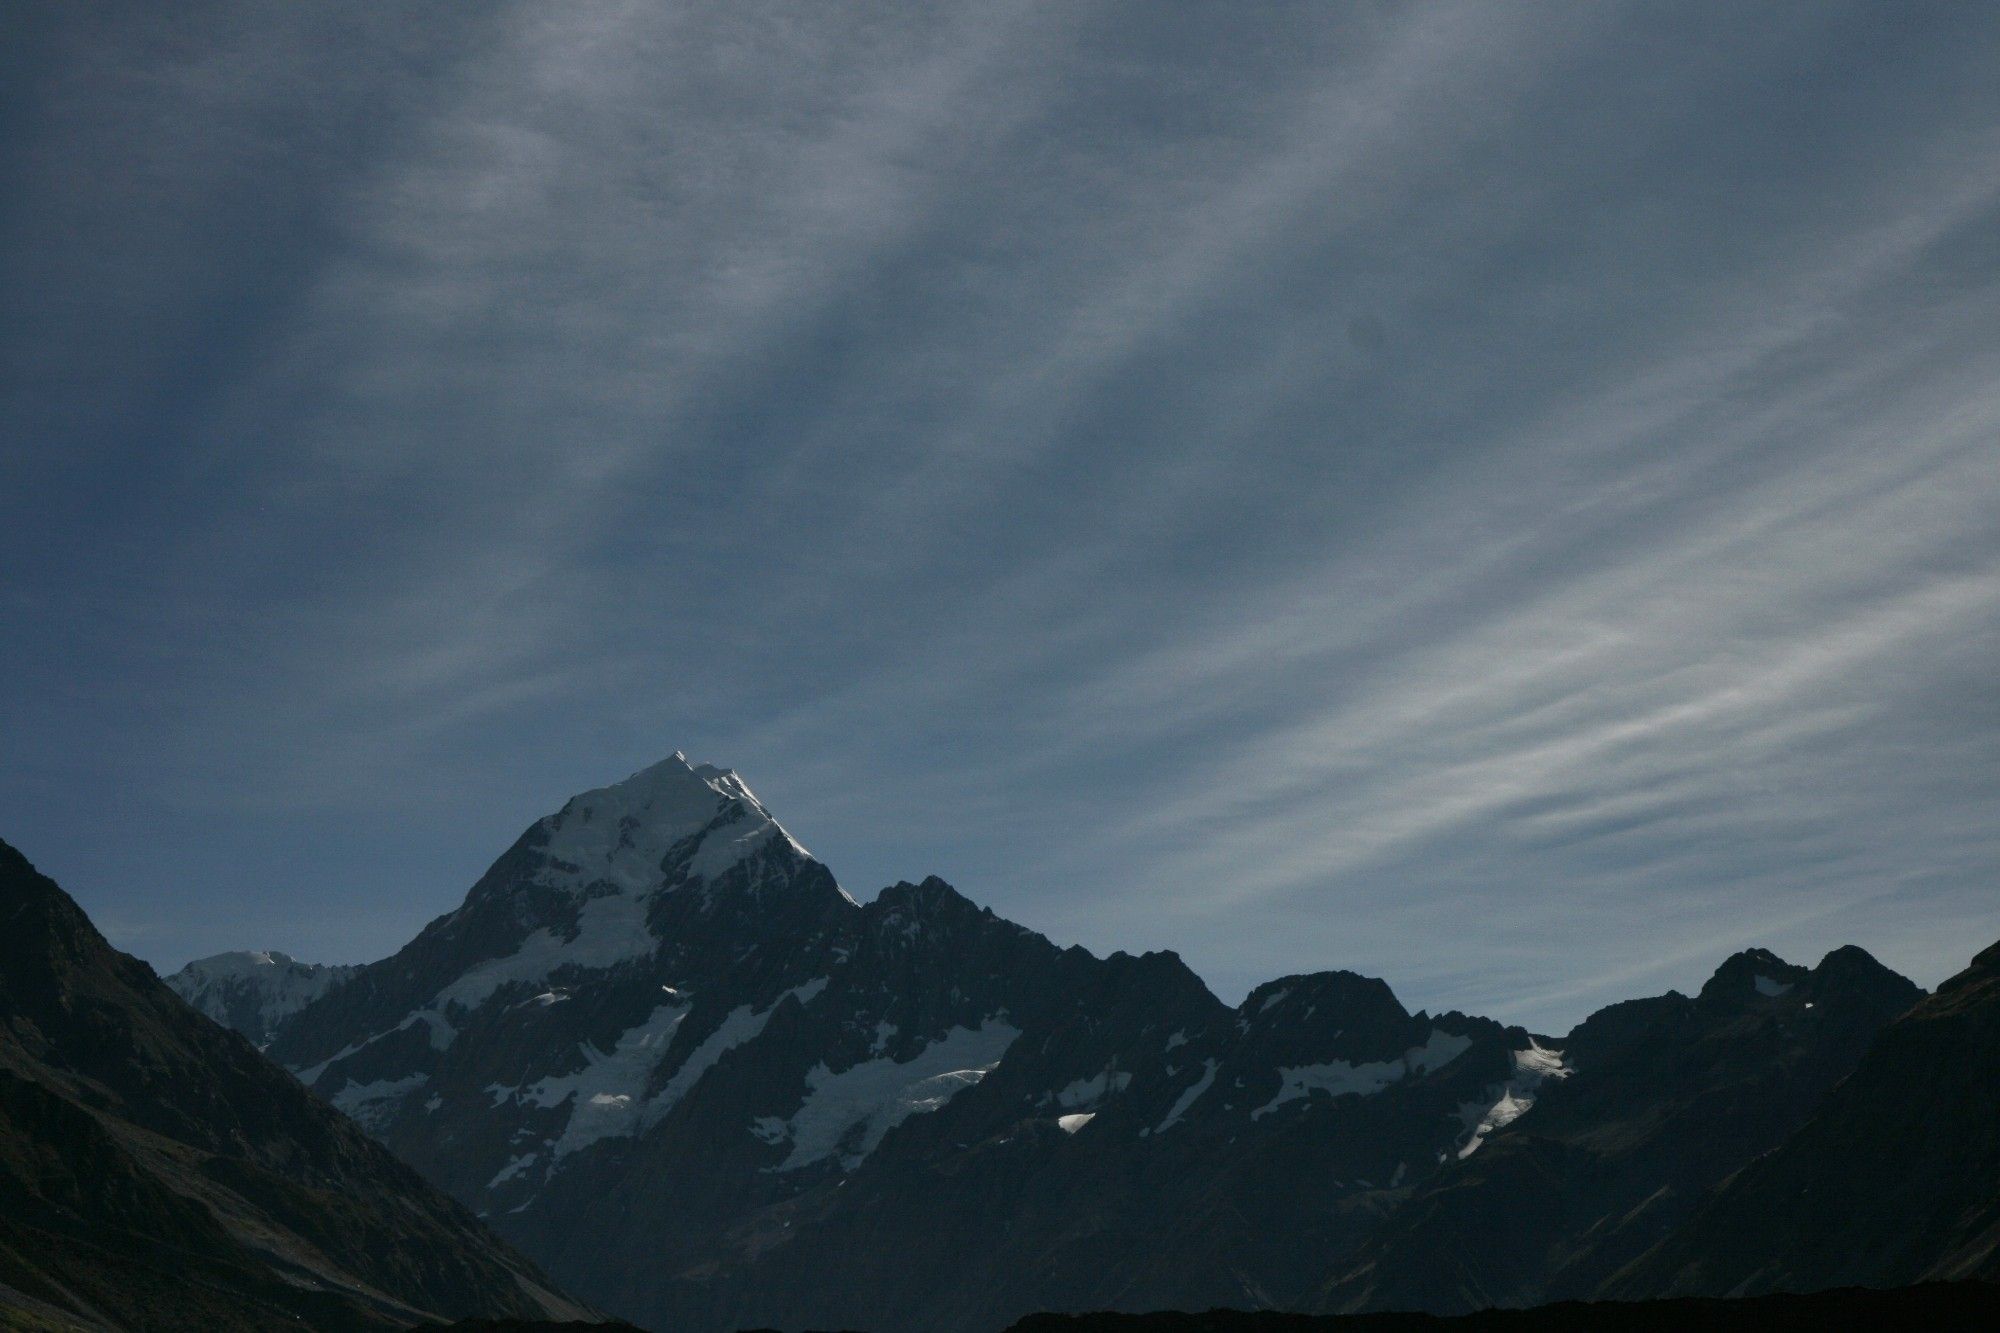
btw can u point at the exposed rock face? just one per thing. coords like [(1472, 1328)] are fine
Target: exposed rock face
[(157, 1172), (1895, 1179)]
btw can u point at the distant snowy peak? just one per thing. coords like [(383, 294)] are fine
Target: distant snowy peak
[(253, 991), (673, 822)]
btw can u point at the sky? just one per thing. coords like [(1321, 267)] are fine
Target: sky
[(1504, 498)]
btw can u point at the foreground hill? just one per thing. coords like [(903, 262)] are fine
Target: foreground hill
[(662, 1050), (157, 1173), (1895, 1179)]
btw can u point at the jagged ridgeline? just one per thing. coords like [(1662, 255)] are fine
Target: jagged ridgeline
[(660, 1049), (156, 1172)]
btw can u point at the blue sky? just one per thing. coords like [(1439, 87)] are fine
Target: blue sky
[(1501, 497)]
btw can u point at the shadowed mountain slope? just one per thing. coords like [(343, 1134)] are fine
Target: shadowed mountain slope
[(1665, 1097), (156, 1172), (1894, 1180)]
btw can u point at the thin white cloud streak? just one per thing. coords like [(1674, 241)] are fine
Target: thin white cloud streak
[(1410, 111), (1328, 833), (477, 218), (1577, 656), (1621, 652), (1654, 435), (482, 193)]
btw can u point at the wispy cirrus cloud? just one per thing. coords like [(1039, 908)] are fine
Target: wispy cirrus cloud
[(1502, 498)]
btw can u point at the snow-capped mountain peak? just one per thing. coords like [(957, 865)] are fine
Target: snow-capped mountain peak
[(626, 834), (648, 923), (619, 869), (246, 963)]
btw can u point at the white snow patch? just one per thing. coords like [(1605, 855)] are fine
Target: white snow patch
[(1516, 1096), (1189, 1098), (1338, 1078), (1090, 1091), (512, 1169), (311, 1074), (1275, 997), (441, 1031), (607, 1096), (603, 1095), (741, 1026), (610, 930), (1178, 1039), (371, 1104), (1070, 1124), (1771, 986), (857, 1106)]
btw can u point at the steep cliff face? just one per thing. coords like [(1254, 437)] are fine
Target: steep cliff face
[(157, 1172)]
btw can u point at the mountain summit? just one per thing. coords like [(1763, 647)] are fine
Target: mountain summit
[(671, 826), (667, 870)]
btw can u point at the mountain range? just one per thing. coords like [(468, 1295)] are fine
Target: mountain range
[(660, 1050)]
